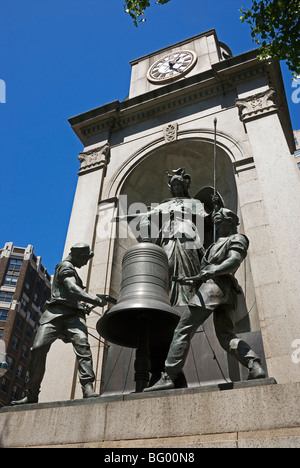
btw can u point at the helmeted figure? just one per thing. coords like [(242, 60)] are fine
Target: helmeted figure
[(215, 290), (181, 225)]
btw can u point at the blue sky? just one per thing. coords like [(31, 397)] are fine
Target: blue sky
[(60, 58)]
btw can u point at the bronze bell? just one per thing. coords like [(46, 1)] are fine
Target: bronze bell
[(144, 290), (143, 317)]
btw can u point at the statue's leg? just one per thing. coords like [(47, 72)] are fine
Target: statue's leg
[(77, 333), (190, 320), (238, 348)]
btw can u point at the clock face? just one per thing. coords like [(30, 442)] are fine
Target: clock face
[(172, 66)]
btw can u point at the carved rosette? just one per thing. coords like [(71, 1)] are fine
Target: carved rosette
[(257, 105), (94, 159)]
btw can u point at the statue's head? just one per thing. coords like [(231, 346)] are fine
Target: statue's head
[(226, 220), (179, 183), (81, 254)]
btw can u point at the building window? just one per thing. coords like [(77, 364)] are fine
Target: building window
[(14, 266), (20, 371), (11, 280), (1, 333), (15, 342), (32, 314), (3, 315), (20, 324), (298, 164), (10, 362), (25, 352), (15, 392), (4, 385), (6, 296), (24, 304), (29, 333)]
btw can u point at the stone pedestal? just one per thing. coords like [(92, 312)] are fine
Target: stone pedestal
[(257, 414)]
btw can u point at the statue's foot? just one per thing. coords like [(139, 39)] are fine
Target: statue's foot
[(88, 391), (256, 371), (164, 383), (25, 401)]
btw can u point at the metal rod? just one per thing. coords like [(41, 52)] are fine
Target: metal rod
[(215, 172)]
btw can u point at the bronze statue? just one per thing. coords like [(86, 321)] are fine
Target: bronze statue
[(181, 225), (215, 290), (64, 318), (184, 225)]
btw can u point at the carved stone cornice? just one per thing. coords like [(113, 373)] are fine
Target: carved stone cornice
[(94, 159), (257, 105), (223, 78)]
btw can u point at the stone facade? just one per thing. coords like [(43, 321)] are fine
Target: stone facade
[(129, 146)]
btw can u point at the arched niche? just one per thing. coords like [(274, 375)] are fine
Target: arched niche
[(147, 181), (144, 181)]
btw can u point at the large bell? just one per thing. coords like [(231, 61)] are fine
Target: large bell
[(143, 317), (144, 291)]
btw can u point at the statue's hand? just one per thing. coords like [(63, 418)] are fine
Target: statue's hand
[(208, 272), (105, 298), (193, 281), (216, 200), (100, 302)]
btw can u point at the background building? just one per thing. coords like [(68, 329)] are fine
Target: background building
[(24, 288)]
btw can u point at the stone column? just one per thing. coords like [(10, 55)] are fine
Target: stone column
[(61, 362), (270, 198)]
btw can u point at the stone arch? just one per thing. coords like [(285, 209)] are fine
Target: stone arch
[(226, 145)]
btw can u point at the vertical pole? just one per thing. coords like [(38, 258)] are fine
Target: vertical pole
[(215, 171)]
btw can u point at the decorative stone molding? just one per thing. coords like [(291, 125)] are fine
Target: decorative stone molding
[(94, 159), (257, 105), (171, 132), (162, 102)]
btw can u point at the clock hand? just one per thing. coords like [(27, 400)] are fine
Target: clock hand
[(172, 62)]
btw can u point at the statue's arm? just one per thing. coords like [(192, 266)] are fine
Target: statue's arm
[(228, 266), (130, 217), (77, 292)]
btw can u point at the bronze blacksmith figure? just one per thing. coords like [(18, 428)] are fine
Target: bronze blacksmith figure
[(64, 318), (215, 291)]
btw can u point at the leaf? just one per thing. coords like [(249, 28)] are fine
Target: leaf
[(275, 24)]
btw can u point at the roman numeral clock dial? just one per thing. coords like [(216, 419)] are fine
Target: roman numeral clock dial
[(172, 66)]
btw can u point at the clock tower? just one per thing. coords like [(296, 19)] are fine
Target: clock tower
[(167, 122), (185, 59)]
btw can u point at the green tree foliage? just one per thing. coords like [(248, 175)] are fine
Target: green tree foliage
[(136, 9), (275, 27)]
